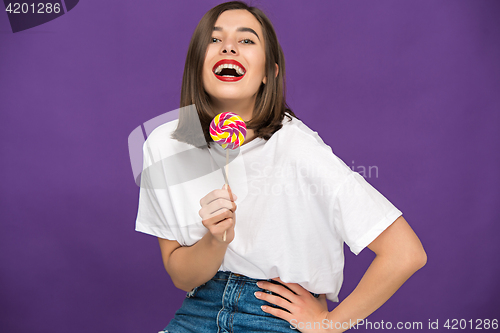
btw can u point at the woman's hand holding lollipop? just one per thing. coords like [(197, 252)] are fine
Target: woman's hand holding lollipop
[(217, 213)]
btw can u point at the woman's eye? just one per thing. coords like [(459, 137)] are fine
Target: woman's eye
[(247, 41), (214, 40)]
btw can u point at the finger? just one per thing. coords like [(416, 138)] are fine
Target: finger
[(217, 229), (274, 299), (223, 215), (215, 194), (278, 289), (216, 207), (222, 227), (278, 312), (295, 287)]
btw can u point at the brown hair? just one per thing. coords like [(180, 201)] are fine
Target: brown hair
[(270, 104)]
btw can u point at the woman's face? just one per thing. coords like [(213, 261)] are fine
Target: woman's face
[(234, 66)]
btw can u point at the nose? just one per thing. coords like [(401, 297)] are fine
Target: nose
[(228, 47)]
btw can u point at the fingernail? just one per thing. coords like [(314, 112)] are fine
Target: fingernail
[(225, 186)]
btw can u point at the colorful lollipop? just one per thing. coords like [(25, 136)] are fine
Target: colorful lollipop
[(228, 130)]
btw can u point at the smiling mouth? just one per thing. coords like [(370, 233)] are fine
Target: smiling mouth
[(225, 70), (229, 70)]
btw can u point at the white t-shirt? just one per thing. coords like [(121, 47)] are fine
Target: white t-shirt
[(297, 204)]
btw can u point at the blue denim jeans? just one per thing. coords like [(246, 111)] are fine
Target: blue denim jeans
[(226, 304)]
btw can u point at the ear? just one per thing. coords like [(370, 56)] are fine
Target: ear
[(264, 80)]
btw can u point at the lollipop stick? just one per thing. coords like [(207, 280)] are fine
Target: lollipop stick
[(227, 167), (227, 181), (223, 125)]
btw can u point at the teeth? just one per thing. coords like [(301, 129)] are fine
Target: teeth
[(239, 70)]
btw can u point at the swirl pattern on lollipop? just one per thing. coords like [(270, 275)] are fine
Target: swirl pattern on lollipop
[(228, 130)]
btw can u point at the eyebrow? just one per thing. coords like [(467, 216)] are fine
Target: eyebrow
[(242, 29)]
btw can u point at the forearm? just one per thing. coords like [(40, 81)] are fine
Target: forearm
[(191, 266), (381, 280)]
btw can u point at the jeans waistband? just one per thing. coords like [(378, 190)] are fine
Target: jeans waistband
[(225, 276)]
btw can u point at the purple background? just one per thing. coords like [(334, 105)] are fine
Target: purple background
[(411, 87)]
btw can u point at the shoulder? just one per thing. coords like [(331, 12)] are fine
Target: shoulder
[(159, 145), (303, 146), (160, 139), (162, 133), (297, 131)]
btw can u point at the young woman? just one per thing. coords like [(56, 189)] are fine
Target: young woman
[(293, 206)]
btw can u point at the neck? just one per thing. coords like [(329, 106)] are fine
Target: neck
[(242, 109)]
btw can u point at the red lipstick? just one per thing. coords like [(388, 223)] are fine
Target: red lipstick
[(228, 78)]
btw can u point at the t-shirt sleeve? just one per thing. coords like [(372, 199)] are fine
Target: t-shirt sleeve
[(361, 213), (151, 217), (358, 211)]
